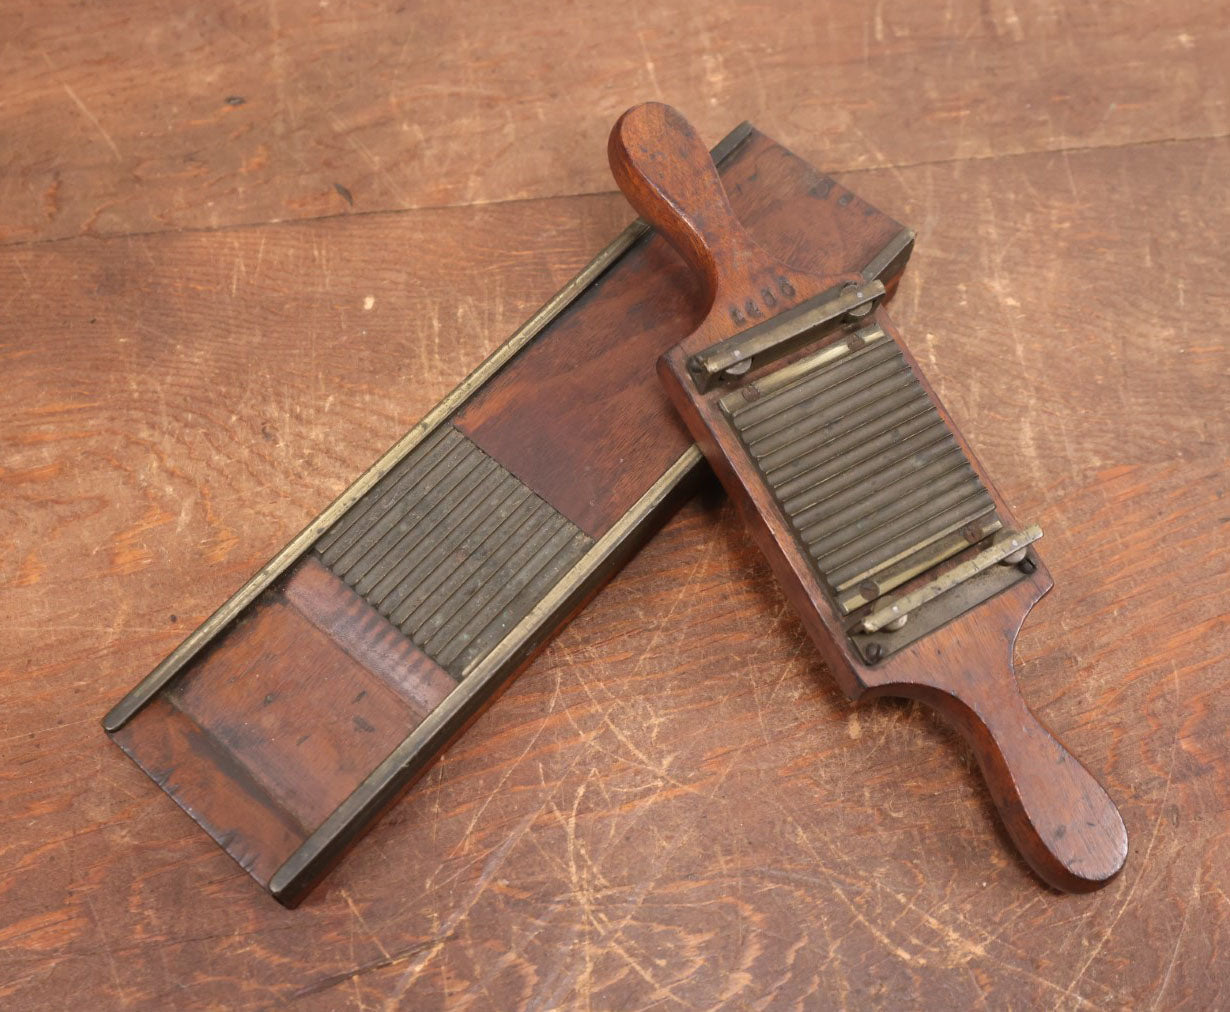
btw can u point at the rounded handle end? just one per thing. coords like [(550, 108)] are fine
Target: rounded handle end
[(1060, 817), (665, 171)]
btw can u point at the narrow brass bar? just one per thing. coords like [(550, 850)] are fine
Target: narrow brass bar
[(931, 553), (760, 398), (892, 257), (898, 518), (895, 611), (967, 512), (782, 334)]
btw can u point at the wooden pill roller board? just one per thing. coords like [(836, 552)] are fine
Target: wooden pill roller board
[(906, 567), (324, 687)]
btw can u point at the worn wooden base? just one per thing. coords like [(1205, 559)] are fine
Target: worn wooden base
[(301, 709), (275, 724)]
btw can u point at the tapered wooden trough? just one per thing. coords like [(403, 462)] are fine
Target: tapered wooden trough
[(318, 693)]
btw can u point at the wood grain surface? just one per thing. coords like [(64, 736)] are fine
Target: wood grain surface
[(272, 727), (674, 806)]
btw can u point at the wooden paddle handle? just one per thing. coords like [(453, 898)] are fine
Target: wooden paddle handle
[(1061, 819), (1059, 816), (665, 171)]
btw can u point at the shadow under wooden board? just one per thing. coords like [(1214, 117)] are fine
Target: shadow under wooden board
[(325, 686)]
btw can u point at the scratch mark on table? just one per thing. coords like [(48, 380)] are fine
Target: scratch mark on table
[(492, 865), (1178, 940), (93, 119), (358, 915), (378, 964)]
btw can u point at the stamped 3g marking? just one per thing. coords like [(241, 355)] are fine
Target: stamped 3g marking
[(751, 308)]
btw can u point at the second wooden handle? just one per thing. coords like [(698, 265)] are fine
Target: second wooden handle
[(665, 171)]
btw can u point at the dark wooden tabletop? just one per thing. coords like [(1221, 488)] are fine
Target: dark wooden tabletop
[(246, 246)]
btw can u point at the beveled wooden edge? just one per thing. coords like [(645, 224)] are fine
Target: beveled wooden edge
[(173, 663), (314, 857)]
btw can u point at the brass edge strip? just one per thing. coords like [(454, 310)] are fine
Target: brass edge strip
[(891, 259), (421, 746), (897, 609), (170, 666)]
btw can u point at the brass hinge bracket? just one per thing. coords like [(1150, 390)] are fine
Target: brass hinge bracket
[(805, 324)]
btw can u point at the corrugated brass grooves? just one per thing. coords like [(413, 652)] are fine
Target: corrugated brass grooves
[(452, 549), (863, 466)]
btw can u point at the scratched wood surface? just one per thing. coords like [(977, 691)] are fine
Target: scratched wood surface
[(673, 807)]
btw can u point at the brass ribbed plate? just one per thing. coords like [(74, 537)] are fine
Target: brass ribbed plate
[(862, 465), (452, 549)]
